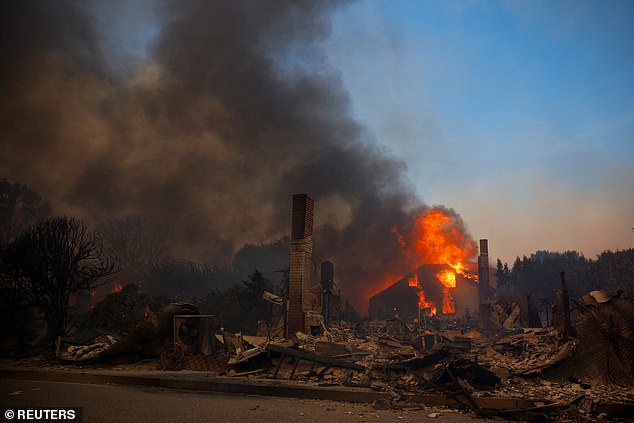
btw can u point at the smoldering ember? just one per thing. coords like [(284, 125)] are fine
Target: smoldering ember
[(385, 209)]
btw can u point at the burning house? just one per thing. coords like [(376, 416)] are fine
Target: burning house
[(447, 280), (424, 289)]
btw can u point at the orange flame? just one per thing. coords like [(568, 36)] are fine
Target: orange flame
[(438, 240), (424, 304), (447, 278), (437, 237), (448, 304), (117, 288)]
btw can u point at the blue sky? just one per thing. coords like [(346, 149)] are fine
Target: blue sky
[(520, 115)]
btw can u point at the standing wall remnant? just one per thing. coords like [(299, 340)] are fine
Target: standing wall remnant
[(301, 262)]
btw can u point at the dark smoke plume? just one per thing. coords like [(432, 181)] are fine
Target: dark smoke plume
[(236, 111)]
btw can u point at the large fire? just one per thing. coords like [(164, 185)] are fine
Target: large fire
[(437, 237)]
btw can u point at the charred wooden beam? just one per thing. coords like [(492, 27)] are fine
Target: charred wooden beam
[(306, 355), (561, 310)]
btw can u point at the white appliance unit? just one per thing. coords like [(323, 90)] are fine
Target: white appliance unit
[(192, 333)]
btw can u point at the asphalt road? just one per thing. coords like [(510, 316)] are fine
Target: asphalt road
[(108, 403)]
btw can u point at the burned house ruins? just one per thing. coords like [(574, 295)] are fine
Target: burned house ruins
[(439, 335)]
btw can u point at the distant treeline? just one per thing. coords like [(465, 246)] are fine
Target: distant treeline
[(539, 274)]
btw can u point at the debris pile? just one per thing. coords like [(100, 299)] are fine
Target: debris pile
[(511, 371), (605, 333), (149, 338), (91, 350), (528, 352), (473, 369)]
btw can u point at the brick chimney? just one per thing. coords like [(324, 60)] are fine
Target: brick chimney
[(301, 262)]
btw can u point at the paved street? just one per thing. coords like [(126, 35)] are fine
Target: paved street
[(104, 403)]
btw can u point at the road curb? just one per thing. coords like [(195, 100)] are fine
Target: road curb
[(266, 388), (211, 384)]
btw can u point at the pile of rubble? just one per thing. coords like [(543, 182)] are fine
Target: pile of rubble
[(528, 352), (90, 350), (466, 366), (449, 362)]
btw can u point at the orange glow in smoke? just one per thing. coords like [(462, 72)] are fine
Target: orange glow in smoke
[(117, 288), (387, 280), (438, 240)]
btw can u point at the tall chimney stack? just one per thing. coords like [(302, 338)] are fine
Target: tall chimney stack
[(301, 262)]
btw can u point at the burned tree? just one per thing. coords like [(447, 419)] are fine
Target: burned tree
[(48, 264), (14, 299)]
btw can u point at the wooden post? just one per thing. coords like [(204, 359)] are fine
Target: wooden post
[(566, 307)]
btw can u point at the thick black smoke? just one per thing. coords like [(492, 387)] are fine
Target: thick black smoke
[(236, 111)]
